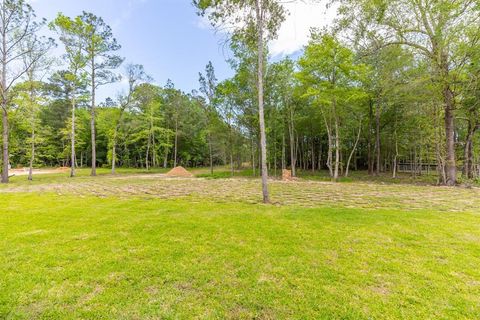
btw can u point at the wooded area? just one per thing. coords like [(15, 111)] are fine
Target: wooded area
[(392, 85), (341, 181)]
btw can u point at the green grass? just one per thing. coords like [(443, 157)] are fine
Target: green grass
[(65, 257)]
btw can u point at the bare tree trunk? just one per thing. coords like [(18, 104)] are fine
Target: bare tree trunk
[(330, 154), (354, 149), (6, 160), (330, 146), (451, 168), (283, 151), (72, 164), (210, 152), (377, 138), (32, 156), (319, 164), (92, 123), (147, 153), (154, 152), (313, 155), (337, 150), (394, 175), (370, 130), (253, 157), (293, 151), (275, 151), (114, 150), (468, 170), (176, 143), (263, 139), (165, 159)]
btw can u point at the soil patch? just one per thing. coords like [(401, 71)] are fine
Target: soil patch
[(179, 172)]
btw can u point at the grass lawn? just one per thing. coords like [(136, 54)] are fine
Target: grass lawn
[(90, 257)]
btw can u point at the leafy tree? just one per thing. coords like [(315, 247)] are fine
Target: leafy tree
[(136, 75), (258, 20), (70, 34), (208, 85), (19, 38), (99, 46), (329, 72), (434, 29)]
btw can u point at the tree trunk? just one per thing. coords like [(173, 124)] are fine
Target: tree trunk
[(92, 123), (313, 155), (176, 143), (114, 150), (468, 170), (147, 153), (337, 150), (283, 151), (293, 152), (210, 152), (263, 139), (6, 160), (253, 157), (72, 137), (370, 130), (451, 169), (353, 150), (377, 139), (395, 157), (165, 159), (32, 156), (154, 152)]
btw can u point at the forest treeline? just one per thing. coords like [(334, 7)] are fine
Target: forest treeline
[(390, 84)]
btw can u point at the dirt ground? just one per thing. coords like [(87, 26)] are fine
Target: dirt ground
[(302, 193), (24, 171)]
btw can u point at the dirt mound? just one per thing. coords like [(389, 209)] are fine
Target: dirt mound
[(179, 172), (287, 175)]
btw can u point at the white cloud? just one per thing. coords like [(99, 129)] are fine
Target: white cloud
[(126, 12), (302, 15), (295, 31)]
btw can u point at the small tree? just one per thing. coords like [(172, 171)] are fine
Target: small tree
[(136, 75), (258, 20), (99, 46), (17, 27), (208, 86), (37, 64), (70, 33)]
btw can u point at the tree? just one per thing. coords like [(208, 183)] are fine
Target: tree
[(208, 85), (70, 33), (18, 37), (258, 20), (174, 106), (434, 29), (136, 75), (99, 45), (329, 72), (36, 63), (283, 87)]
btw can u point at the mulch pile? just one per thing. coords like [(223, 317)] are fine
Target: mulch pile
[(179, 172), (287, 175)]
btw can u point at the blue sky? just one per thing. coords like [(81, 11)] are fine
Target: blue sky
[(171, 41)]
